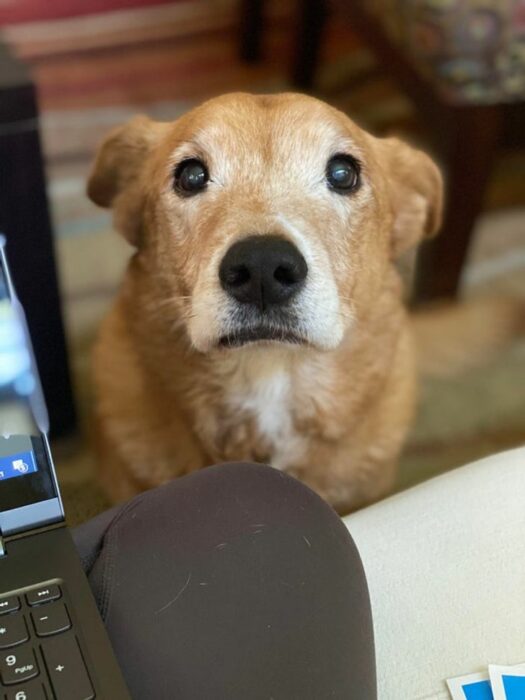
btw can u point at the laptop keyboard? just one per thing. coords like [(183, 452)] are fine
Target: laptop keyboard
[(40, 656)]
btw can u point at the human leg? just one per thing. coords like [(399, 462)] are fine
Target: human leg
[(233, 582)]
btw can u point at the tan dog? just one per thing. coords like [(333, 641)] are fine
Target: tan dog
[(261, 316)]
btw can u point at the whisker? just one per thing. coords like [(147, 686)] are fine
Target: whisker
[(170, 300)]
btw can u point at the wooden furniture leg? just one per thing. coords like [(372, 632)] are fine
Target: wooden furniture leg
[(474, 135), (312, 20), (251, 29)]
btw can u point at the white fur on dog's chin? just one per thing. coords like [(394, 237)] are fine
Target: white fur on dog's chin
[(321, 321), (320, 327)]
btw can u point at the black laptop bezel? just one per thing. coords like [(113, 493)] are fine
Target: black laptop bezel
[(31, 500)]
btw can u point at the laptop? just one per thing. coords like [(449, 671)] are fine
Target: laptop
[(53, 644)]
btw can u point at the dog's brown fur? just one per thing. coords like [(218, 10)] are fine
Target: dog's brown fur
[(169, 400)]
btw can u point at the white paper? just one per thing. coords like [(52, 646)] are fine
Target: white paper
[(508, 682), (470, 687)]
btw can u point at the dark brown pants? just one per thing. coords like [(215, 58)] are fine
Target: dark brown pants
[(233, 583)]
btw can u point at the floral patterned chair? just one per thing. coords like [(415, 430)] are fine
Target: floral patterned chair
[(462, 62), (474, 49)]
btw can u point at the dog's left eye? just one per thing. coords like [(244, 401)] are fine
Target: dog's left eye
[(343, 174), (191, 176)]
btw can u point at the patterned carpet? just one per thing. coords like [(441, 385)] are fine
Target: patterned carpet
[(102, 62)]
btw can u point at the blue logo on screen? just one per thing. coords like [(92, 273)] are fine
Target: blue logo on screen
[(17, 465), (478, 691)]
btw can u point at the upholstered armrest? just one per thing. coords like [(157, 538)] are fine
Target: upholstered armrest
[(445, 564), (475, 50)]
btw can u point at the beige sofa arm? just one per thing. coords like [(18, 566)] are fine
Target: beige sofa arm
[(445, 564)]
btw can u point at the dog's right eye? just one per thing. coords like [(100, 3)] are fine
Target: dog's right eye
[(191, 177)]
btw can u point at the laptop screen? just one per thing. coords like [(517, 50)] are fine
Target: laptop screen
[(26, 473)]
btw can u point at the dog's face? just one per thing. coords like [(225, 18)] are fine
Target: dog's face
[(265, 218)]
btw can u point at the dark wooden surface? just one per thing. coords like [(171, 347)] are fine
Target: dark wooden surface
[(251, 28), (471, 143), (309, 36), (25, 221)]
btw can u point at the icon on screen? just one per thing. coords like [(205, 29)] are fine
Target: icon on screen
[(15, 465), (20, 466)]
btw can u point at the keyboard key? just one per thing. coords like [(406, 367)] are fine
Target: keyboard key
[(10, 604), (51, 619), (66, 668), (29, 691), (45, 594), (18, 665), (13, 631)]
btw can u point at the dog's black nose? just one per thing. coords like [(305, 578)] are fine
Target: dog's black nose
[(262, 270)]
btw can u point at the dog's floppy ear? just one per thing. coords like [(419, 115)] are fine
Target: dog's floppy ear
[(116, 172), (415, 190)]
